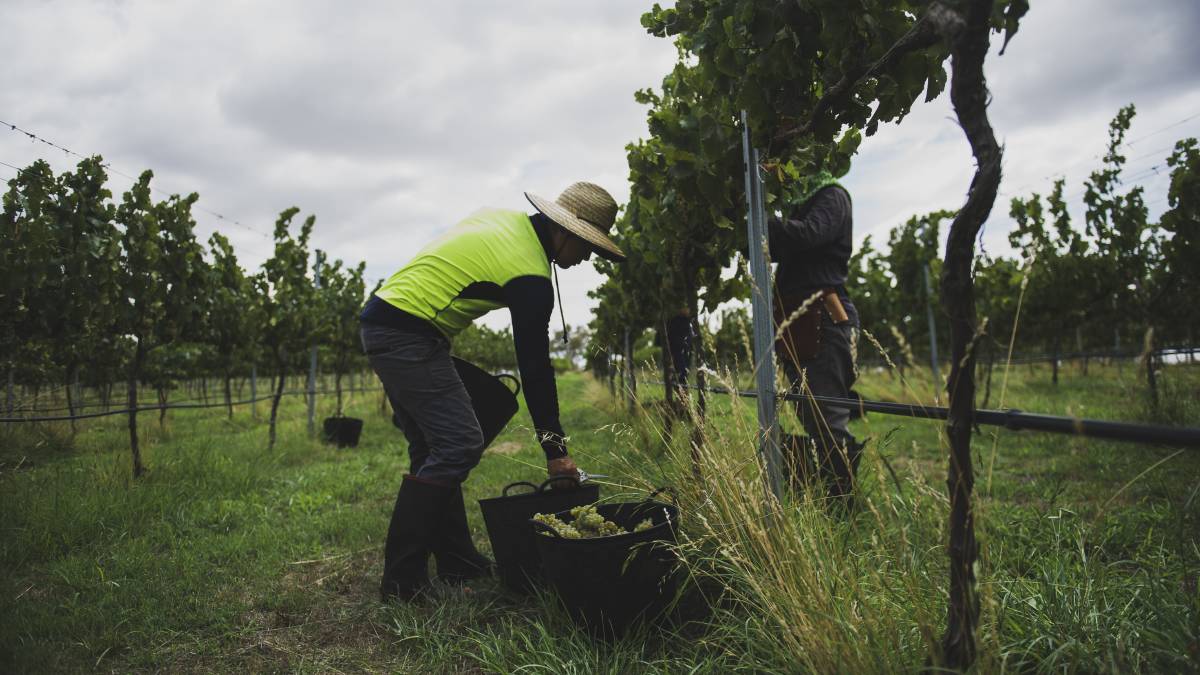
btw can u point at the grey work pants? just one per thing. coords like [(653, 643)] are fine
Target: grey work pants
[(430, 403), (830, 373)]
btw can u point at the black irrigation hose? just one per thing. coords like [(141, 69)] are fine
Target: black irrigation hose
[(176, 406), (1025, 359), (1012, 419)]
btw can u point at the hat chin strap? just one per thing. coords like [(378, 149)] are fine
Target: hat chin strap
[(558, 289)]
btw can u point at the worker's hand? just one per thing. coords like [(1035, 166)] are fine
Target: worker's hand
[(565, 467)]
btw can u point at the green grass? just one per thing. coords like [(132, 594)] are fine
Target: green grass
[(227, 557)]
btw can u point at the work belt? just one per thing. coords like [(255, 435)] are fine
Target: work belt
[(799, 334)]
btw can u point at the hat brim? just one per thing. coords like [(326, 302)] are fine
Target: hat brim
[(603, 246)]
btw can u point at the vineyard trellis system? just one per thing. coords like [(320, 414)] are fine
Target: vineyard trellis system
[(1011, 419), (183, 406)]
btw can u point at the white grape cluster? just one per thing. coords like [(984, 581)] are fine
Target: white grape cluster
[(586, 523)]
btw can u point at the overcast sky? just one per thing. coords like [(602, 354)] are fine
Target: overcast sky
[(392, 120)]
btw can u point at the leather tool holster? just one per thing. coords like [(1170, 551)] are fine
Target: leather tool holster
[(801, 338)]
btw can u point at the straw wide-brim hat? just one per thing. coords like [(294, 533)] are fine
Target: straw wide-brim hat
[(587, 211)]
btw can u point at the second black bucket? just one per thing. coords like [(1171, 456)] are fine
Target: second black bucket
[(494, 403), (342, 431), (609, 584), (507, 519)]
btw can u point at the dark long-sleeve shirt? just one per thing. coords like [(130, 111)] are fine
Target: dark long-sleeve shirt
[(814, 245), (531, 301)]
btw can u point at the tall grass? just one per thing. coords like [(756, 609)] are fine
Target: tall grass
[(803, 586), (798, 584)]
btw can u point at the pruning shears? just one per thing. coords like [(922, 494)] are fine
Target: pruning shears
[(585, 476), (578, 478)]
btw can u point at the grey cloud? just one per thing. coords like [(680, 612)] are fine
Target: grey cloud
[(1084, 56), (457, 94)]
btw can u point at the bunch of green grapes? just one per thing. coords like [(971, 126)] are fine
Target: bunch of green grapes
[(591, 524), (587, 523), (563, 529)]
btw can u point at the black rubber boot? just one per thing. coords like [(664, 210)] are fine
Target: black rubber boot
[(455, 552), (416, 519), (798, 453), (839, 469)]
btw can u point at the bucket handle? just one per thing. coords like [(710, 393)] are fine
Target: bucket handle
[(512, 377), (546, 483), (504, 492), (542, 528), (538, 489), (670, 491)]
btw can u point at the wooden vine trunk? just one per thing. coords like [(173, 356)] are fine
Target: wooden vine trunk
[(135, 370), (72, 377), (630, 373), (966, 28), (337, 385), (229, 394), (281, 365)]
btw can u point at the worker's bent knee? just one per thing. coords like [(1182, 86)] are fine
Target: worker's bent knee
[(451, 457)]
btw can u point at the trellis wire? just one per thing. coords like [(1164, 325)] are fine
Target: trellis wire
[(1011, 419), (180, 406)]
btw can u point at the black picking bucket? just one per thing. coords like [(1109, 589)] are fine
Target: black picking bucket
[(494, 403), (342, 431), (609, 584), (507, 520)]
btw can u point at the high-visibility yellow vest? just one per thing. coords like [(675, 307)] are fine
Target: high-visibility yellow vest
[(491, 246)]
